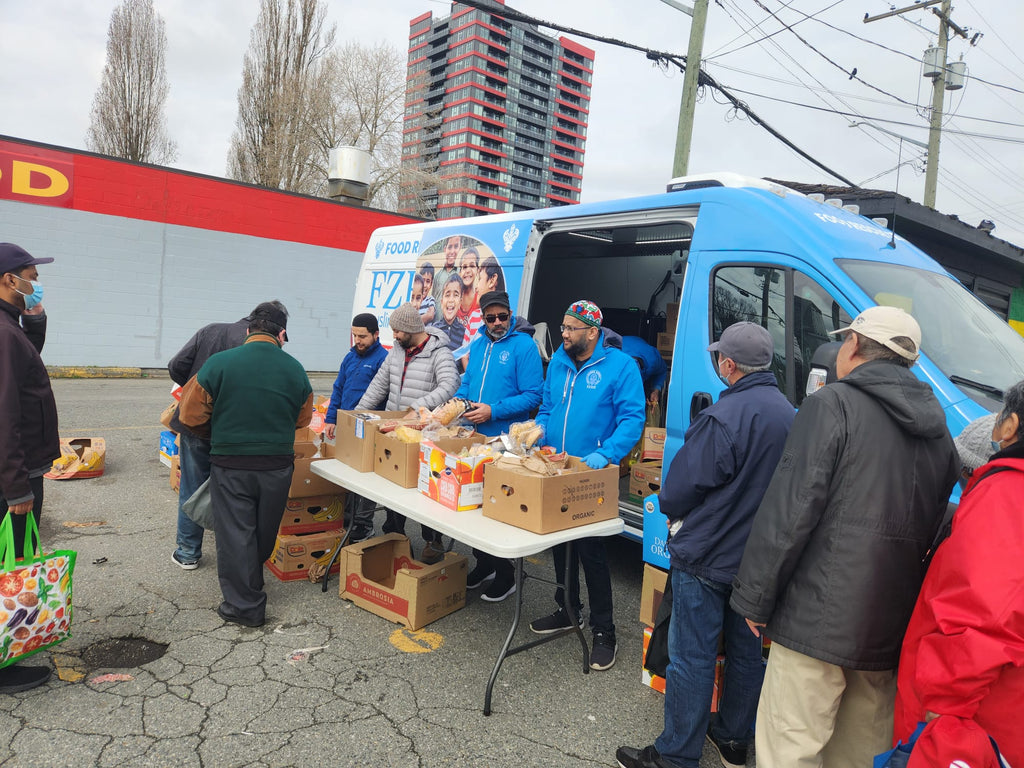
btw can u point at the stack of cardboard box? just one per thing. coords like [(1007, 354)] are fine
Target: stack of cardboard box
[(667, 339)]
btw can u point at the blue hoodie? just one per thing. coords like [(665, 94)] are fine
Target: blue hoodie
[(506, 374), (652, 366), (598, 408), (354, 376)]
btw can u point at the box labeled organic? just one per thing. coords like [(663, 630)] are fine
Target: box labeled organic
[(651, 592), (544, 504), (381, 577), (295, 553), (354, 437), (453, 480), (314, 514), (645, 479)]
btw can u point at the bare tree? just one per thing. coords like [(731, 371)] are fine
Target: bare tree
[(282, 99), (128, 109)]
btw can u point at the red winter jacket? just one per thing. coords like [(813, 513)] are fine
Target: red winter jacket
[(963, 654)]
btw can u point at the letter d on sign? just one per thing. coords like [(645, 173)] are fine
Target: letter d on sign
[(37, 180)]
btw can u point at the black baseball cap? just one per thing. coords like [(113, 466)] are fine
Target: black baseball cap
[(492, 298), (273, 312), (14, 258)]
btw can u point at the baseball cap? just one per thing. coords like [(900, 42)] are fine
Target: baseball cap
[(883, 324), (14, 258), (492, 298), (273, 312), (745, 343)]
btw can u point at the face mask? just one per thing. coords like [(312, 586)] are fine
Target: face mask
[(34, 298), (996, 446)]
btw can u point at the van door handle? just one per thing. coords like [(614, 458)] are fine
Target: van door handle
[(698, 403)]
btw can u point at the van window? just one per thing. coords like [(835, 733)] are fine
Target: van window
[(760, 294)]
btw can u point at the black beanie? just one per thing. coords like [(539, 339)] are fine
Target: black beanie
[(367, 321)]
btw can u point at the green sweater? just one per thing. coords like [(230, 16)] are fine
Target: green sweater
[(257, 390)]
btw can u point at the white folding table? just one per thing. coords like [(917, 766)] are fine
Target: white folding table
[(472, 528)]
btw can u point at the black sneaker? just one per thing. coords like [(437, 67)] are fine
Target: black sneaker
[(360, 534), (647, 757), (478, 576), (17, 678), (733, 754), (227, 615), (602, 655), (500, 588), (556, 622)]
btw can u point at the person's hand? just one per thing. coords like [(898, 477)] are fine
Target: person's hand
[(21, 509), (329, 430), (929, 716), (595, 461), (36, 310), (478, 414), (654, 397), (755, 627)]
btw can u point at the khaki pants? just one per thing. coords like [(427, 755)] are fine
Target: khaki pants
[(812, 714)]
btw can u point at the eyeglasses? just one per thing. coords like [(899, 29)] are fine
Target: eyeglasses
[(502, 316), (570, 329)]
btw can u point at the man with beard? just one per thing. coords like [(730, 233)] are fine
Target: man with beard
[(418, 371)]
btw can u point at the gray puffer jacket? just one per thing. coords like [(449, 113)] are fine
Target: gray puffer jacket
[(430, 379), (833, 563)]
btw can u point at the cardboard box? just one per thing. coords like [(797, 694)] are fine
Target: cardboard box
[(654, 444), (168, 446), (313, 514), (644, 479), (318, 419), (381, 577), (671, 316), (396, 461), (83, 457), (307, 443), (651, 592), (666, 343), (306, 484), (655, 535), (547, 504), (658, 683), (294, 554), (453, 480), (175, 473), (327, 450), (354, 437)]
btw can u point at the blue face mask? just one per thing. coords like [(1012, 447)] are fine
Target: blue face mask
[(996, 446), (34, 298)]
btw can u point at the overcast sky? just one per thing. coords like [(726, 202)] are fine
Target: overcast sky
[(52, 54)]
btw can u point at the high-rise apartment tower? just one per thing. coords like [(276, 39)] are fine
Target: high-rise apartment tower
[(495, 116)]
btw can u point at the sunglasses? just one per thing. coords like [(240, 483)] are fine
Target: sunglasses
[(502, 316)]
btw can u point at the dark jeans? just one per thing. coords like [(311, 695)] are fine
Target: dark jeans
[(248, 505), (700, 611), (359, 514), (18, 521), (591, 553), (194, 459), (395, 523), (503, 568)]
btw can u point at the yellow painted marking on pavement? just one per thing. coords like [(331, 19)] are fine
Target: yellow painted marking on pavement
[(67, 668), (418, 641)]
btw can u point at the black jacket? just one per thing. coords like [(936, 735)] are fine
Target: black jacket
[(833, 563), (28, 413), (208, 341)]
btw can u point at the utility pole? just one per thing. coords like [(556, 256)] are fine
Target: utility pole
[(684, 130), (931, 176)]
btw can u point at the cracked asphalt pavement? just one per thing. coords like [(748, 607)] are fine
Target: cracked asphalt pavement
[(323, 682)]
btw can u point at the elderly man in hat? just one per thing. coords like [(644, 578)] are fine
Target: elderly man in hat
[(710, 493), (593, 407), (28, 414), (504, 378), (833, 563), (253, 397), (418, 371)]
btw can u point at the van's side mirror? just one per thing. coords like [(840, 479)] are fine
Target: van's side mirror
[(823, 366)]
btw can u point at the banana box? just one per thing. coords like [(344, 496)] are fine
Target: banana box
[(313, 514), (294, 554), (82, 457), (450, 479)]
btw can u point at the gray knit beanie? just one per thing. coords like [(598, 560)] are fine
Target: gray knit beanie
[(406, 319), (974, 443)]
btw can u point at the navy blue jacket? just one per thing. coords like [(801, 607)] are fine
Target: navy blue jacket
[(716, 480), (354, 376)]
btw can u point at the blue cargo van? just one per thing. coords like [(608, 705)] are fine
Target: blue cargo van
[(724, 248)]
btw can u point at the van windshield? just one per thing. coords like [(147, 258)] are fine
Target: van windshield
[(969, 343)]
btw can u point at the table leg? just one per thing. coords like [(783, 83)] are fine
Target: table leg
[(334, 557), (570, 609), (508, 640)]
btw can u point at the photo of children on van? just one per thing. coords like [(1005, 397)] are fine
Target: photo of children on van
[(457, 265)]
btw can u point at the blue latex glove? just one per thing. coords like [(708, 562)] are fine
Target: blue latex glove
[(595, 461)]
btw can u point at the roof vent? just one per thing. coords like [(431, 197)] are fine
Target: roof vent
[(835, 201)]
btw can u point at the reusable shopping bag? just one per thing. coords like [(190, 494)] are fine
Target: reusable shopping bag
[(35, 594), (952, 741), (199, 507)]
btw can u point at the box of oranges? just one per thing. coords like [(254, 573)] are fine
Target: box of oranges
[(451, 478)]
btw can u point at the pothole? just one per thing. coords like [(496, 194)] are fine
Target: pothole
[(122, 653)]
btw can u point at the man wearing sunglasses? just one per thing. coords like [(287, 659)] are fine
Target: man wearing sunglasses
[(593, 406), (503, 379)]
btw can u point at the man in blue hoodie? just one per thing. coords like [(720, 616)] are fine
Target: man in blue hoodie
[(710, 493), (357, 371), (593, 407), (503, 379)]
